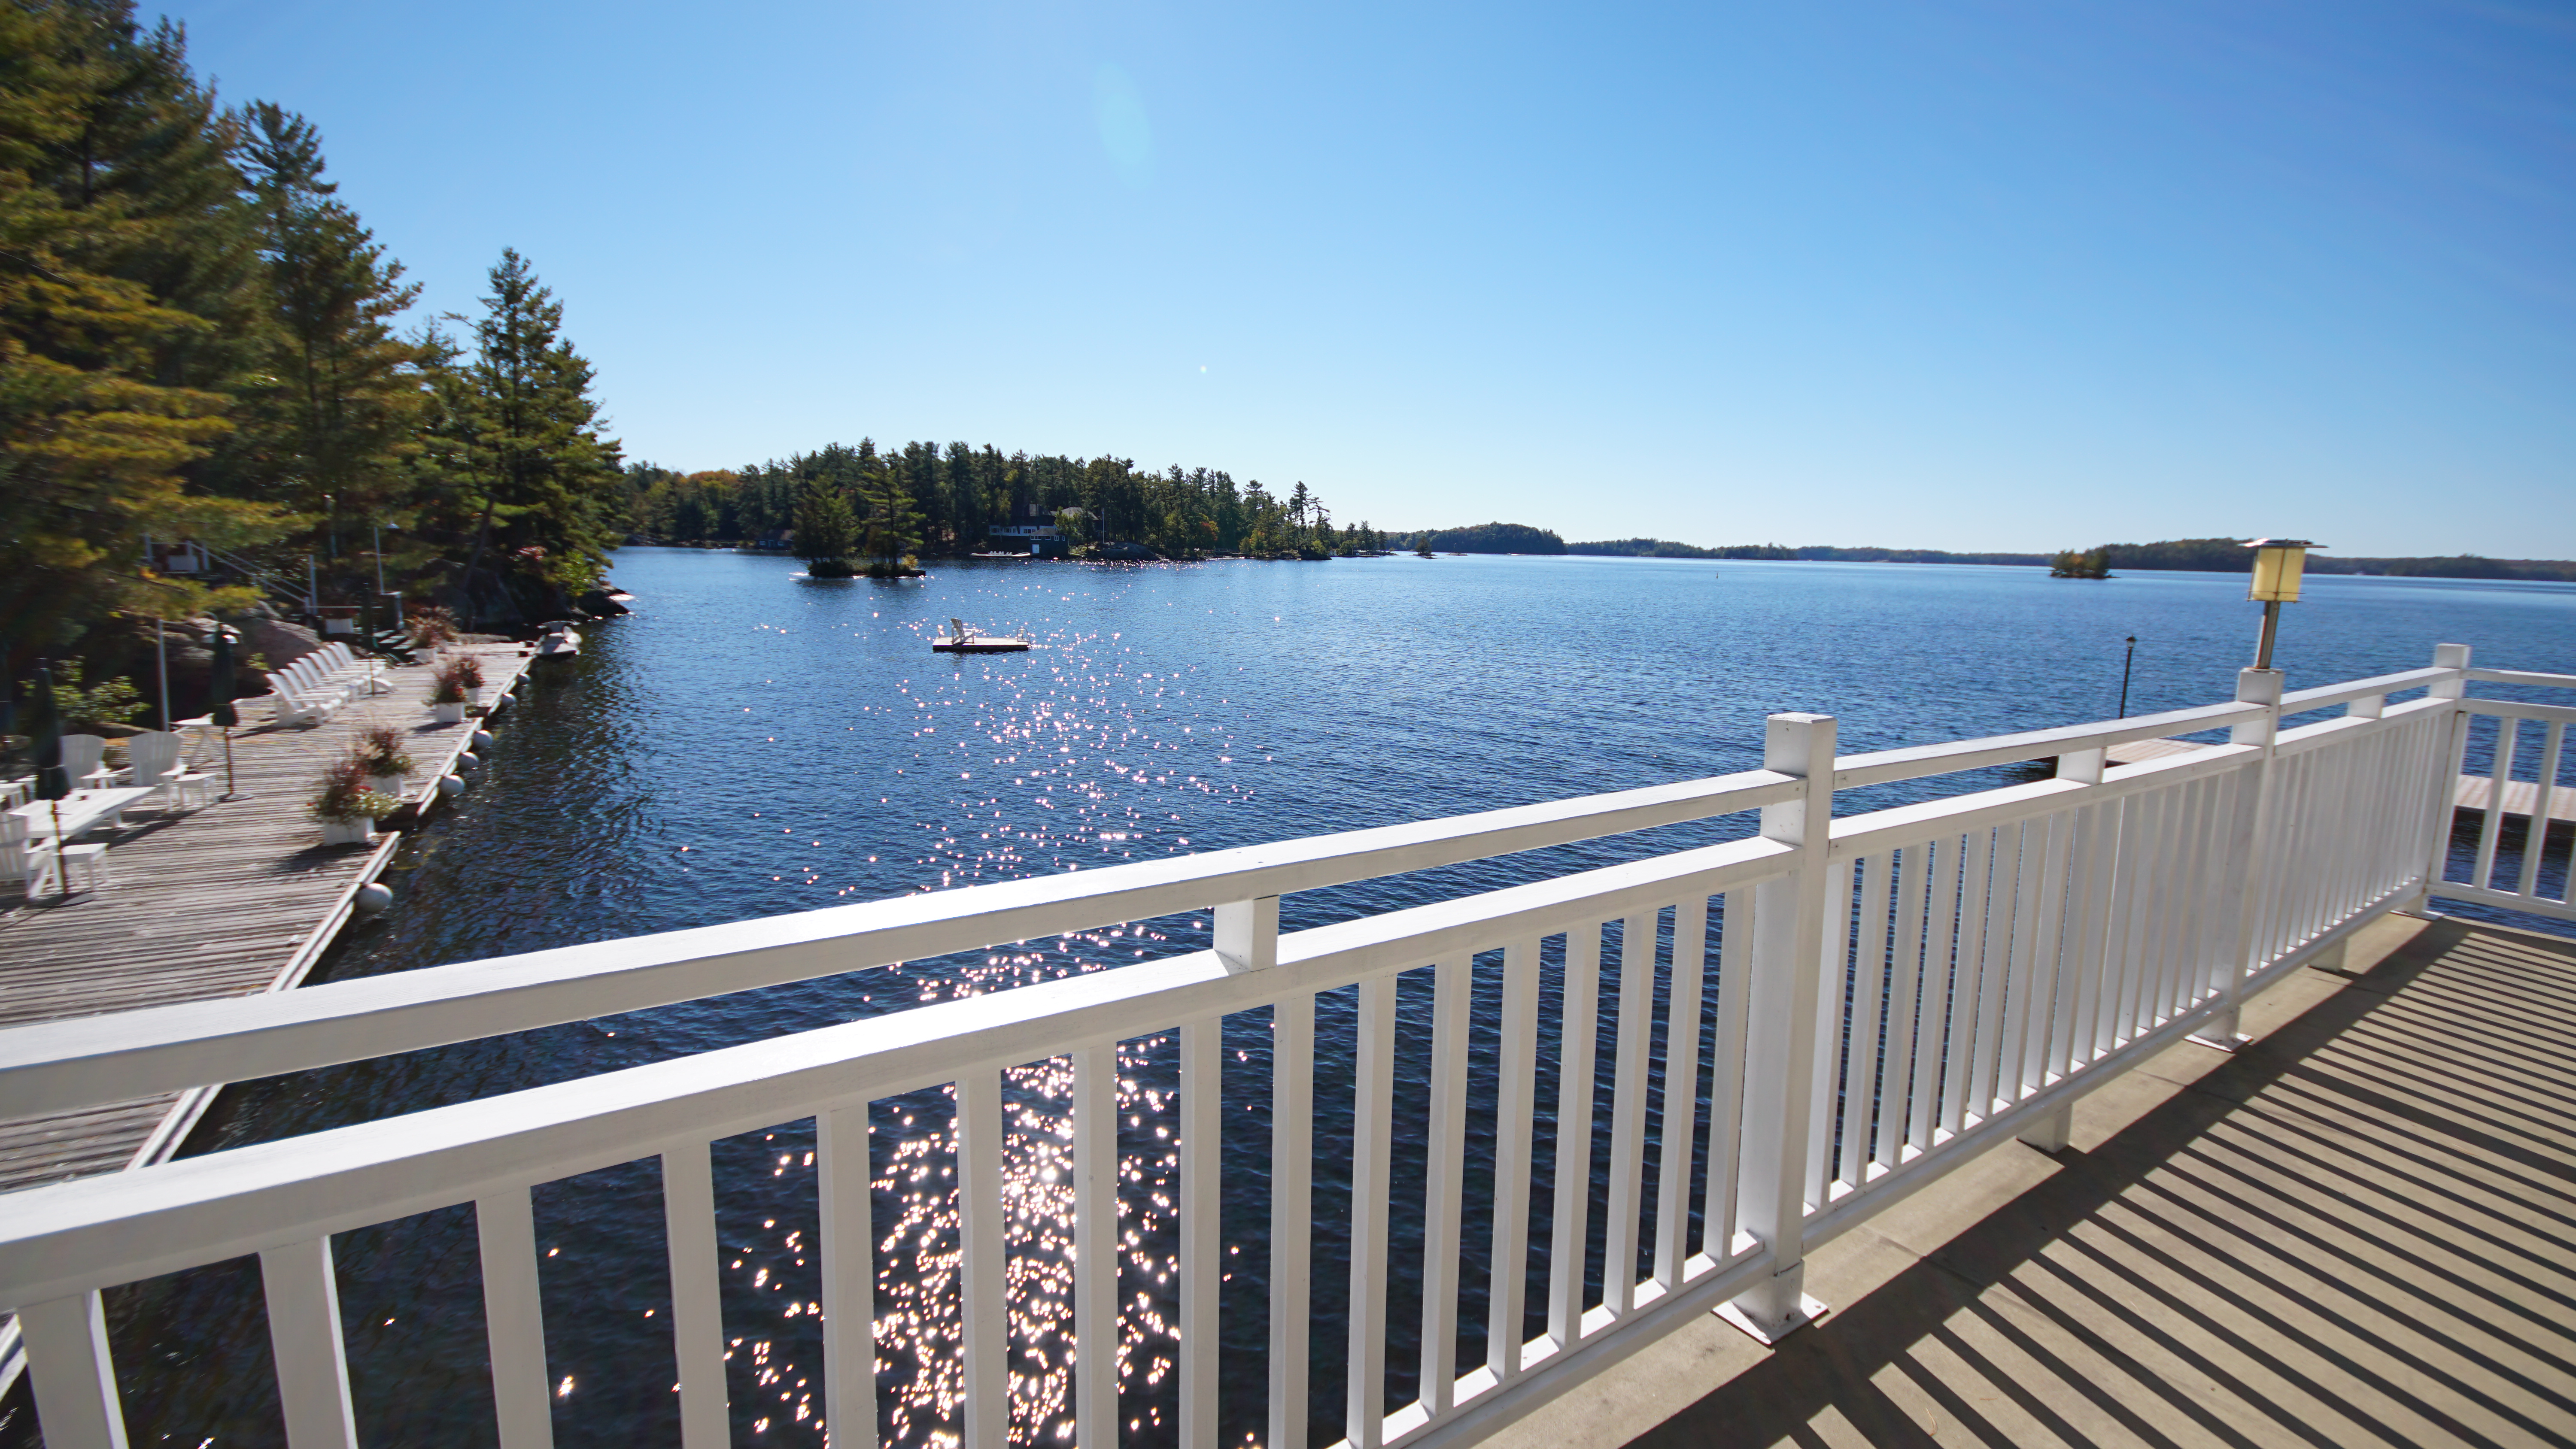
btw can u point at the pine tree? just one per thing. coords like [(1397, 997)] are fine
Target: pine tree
[(890, 526), (541, 479), (340, 397), (124, 292), (826, 530)]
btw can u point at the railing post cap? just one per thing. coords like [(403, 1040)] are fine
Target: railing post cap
[(2259, 686), (1799, 717)]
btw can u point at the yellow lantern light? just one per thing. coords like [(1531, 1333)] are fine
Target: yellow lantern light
[(2278, 562)]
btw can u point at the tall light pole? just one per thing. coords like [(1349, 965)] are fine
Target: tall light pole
[(2278, 562), (2125, 662)]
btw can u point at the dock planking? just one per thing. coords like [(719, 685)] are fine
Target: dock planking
[(229, 899)]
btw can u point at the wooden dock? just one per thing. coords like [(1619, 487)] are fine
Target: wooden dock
[(2521, 797), (229, 899)]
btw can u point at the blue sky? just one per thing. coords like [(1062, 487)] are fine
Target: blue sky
[(1969, 275)]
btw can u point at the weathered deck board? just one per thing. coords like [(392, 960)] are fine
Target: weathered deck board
[(230, 899)]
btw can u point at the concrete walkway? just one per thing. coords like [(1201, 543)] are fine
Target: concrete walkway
[(2358, 1230)]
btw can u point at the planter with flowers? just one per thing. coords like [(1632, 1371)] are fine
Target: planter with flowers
[(447, 691), (380, 752), (345, 807)]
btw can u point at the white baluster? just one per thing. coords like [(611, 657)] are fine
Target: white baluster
[(1292, 1137), (2499, 778), (1373, 1104), (2535, 836), (1726, 1099), (983, 1276), (514, 1323), (1515, 1101), (74, 1379), (1869, 1006), (1574, 1053), (850, 1278), (304, 1341), (1446, 1161), (697, 1308), (1904, 1034), (1628, 1111), (1681, 1089), (1202, 1151)]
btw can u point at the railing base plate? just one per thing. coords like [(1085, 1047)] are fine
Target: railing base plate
[(1809, 1310)]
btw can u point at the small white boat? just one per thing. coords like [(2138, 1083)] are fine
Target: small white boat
[(961, 640), (560, 641)]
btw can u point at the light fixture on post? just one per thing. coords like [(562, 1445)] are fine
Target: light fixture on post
[(2278, 562)]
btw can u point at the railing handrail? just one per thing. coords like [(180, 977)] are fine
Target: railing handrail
[(55, 1066), (2517, 709), (2302, 700), (109, 1228), (2523, 676), (1951, 756), (52, 1066)]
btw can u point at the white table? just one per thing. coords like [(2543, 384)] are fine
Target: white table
[(81, 809)]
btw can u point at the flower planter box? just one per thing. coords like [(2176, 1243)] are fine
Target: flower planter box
[(448, 713), (360, 831), (386, 785)]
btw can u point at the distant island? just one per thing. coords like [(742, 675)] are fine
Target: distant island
[(2209, 555), (1486, 538), (844, 501)]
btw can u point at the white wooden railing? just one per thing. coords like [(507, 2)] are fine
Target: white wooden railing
[(1891, 992)]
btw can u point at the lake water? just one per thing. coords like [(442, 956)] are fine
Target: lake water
[(753, 742)]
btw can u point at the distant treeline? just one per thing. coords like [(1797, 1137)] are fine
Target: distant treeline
[(944, 501), (1666, 548), (1488, 538), (2231, 556), (2211, 555)]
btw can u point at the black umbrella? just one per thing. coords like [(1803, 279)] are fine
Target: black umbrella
[(45, 744), (220, 696)]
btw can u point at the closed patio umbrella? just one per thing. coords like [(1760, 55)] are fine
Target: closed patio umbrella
[(220, 697), (45, 745)]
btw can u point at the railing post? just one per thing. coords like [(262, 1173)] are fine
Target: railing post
[(1247, 934), (2445, 791), (1783, 1002), (2248, 854)]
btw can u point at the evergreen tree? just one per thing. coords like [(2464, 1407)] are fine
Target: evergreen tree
[(337, 404), (541, 480), (826, 530), (124, 292), (890, 526)]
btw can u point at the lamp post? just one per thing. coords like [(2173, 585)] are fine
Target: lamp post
[(2278, 563), (2126, 660)]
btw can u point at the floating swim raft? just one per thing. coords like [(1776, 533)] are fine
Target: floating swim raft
[(961, 640)]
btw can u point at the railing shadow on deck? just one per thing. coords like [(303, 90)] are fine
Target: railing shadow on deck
[(2311, 1244)]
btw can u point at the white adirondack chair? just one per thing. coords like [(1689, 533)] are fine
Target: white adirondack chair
[(289, 703), (156, 766), (83, 762), (31, 859), (309, 681)]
